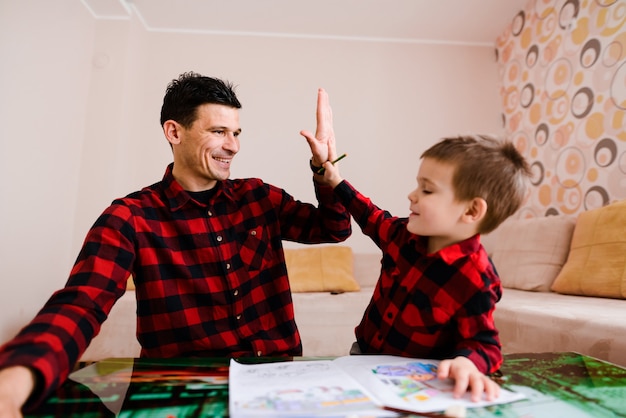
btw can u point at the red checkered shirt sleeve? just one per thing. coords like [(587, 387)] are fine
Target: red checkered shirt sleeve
[(58, 335), (424, 305)]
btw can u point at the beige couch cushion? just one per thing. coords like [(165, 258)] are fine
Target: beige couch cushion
[(596, 265), (548, 321), (130, 283), (321, 269), (326, 321), (529, 253)]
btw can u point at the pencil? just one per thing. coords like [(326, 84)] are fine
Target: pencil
[(341, 157)]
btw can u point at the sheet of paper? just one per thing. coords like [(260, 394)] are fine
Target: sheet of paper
[(297, 389)]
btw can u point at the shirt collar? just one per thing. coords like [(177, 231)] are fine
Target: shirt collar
[(177, 197), (453, 252)]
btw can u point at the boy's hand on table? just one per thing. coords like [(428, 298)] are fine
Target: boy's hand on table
[(466, 376)]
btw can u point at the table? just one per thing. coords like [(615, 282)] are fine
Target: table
[(556, 385)]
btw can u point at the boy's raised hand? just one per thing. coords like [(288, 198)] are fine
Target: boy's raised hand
[(331, 174)]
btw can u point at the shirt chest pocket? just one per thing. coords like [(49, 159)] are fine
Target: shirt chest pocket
[(254, 247)]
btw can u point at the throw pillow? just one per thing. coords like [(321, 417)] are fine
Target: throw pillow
[(321, 269), (529, 253), (596, 265)]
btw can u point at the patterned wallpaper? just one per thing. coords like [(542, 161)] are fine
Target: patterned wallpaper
[(562, 70)]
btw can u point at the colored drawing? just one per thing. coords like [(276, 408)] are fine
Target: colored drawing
[(310, 399), (409, 380), (295, 389)]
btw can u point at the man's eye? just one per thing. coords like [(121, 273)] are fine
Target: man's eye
[(426, 191)]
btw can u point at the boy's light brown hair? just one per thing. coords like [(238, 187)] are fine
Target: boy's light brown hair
[(485, 167)]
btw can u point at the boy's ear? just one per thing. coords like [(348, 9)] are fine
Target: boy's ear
[(476, 210), (171, 129)]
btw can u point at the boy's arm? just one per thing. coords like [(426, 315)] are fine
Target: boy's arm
[(478, 335), (478, 341), (376, 223), (365, 212)]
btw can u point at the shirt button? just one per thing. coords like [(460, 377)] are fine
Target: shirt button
[(219, 238), (209, 213), (238, 317), (236, 292), (389, 315), (259, 353), (227, 266), (379, 337), (253, 233)]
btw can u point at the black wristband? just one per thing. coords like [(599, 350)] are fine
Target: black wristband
[(314, 169)]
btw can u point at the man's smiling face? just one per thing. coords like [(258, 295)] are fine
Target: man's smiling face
[(205, 150)]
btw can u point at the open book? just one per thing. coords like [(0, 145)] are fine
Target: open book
[(373, 385)]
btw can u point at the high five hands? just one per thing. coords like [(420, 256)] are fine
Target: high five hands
[(322, 144)]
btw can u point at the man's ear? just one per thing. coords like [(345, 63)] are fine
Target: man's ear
[(172, 131), (475, 211)]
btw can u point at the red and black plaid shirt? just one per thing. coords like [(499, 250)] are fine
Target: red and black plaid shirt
[(211, 280), (424, 305)]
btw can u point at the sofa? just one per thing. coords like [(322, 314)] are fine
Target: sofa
[(564, 283), (564, 289)]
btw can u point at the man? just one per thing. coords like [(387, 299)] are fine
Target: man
[(205, 253)]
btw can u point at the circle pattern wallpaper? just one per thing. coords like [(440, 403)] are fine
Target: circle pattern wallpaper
[(562, 67)]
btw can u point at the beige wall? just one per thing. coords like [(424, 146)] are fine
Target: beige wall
[(80, 109), (45, 75)]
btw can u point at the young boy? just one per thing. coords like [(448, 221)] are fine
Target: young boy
[(437, 289)]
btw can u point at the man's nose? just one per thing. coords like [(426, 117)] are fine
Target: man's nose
[(231, 143)]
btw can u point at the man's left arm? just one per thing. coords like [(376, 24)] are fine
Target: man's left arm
[(307, 223), (330, 221)]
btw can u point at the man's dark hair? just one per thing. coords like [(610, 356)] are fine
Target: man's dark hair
[(190, 90)]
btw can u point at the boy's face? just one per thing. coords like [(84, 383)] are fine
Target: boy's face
[(435, 211)]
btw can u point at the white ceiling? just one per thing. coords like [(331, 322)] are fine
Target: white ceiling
[(445, 21)]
